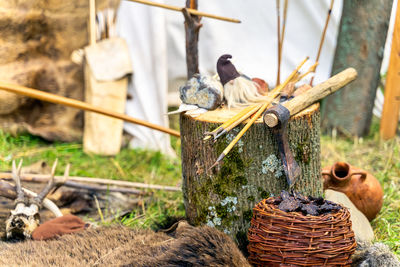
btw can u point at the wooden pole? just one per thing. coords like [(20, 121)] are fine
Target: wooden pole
[(192, 11), (321, 43), (44, 178), (44, 96), (192, 29), (92, 22), (391, 105), (103, 188), (281, 35), (285, 8), (278, 30)]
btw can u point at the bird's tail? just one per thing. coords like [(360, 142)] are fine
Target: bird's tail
[(241, 92)]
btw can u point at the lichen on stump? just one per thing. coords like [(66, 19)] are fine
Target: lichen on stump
[(224, 196)]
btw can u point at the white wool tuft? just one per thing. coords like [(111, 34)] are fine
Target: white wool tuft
[(241, 92)]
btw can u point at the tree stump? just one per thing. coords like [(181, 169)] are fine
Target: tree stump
[(224, 196)]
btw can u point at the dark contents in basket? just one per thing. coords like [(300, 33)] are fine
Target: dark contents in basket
[(307, 205)]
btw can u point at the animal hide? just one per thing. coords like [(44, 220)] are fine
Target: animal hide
[(378, 254), (117, 246)]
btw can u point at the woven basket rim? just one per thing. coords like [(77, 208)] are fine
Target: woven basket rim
[(297, 214), (276, 236)]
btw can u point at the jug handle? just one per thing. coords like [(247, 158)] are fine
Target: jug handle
[(362, 173), (326, 172)]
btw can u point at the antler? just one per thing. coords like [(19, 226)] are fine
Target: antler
[(50, 185), (16, 177), (21, 194), (46, 202), (23, 220)]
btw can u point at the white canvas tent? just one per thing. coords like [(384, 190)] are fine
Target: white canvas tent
[(156, 40)]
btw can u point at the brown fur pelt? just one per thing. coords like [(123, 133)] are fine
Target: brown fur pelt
[(117, 246)]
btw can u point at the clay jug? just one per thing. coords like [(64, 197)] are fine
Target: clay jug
[(361, 187)]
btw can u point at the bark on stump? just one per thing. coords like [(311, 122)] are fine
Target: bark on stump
[(224, 196)]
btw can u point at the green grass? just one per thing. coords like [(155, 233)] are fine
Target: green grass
[(132, 165), (380, 158)]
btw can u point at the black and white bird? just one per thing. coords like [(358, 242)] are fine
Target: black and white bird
[(238, 89)]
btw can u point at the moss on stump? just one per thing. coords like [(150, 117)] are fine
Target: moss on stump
[(223, 197)]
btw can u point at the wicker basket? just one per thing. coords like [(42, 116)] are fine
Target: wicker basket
[(279, 238)]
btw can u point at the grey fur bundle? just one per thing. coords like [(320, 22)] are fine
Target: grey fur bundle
[(374, 255)]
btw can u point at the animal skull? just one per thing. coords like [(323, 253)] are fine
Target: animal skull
[(24, 219)]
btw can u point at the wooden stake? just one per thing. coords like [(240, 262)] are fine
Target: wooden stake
[(278, 17), (285, 8), (321, 43), (282, 37), (56, 99), (44, 178), (391, 104), (191, 11), (192, 29), (274, 93), (103, 188), (92, 22)]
